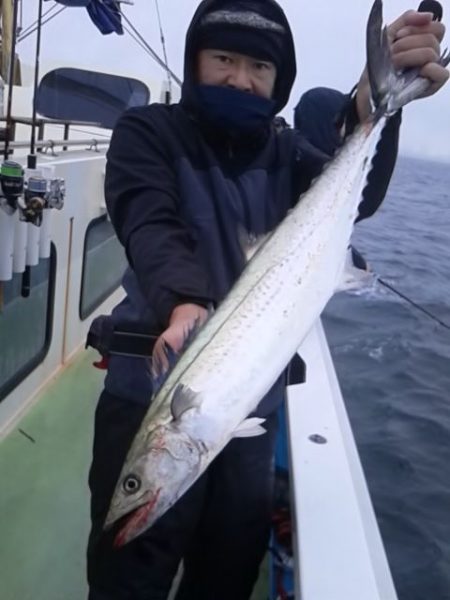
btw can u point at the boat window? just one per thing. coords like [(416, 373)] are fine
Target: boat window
[(26, 323), (104, 264), (88, 96)]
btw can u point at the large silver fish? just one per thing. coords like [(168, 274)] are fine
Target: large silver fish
[(243, 348)]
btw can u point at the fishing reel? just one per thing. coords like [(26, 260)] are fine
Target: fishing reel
[(41, 194), (34, 200), (12, 185), (31, 196)]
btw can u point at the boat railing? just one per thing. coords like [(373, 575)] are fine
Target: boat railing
[(339, 552), (48, 145)]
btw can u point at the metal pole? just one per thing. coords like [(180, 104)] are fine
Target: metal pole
[(32, 155)]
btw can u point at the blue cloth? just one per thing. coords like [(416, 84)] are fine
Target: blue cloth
[(232, 109), (104, 13), (106, 16)]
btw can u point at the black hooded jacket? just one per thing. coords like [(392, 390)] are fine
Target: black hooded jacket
[(177, 193)]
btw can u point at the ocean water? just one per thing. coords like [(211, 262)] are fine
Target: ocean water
[(393, 364)]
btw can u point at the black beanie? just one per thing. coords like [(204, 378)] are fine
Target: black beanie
[(242, 30)]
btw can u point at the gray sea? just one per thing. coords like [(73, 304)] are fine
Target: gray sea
[(393, 364)]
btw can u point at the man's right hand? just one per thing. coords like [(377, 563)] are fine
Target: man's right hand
[(182, 320), (415, 40)]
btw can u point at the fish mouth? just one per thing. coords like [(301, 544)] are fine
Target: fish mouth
[(136, 521)]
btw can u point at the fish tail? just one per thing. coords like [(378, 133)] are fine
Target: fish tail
[(391, 89)]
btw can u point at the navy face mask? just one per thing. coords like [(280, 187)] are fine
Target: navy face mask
[(233, 110)]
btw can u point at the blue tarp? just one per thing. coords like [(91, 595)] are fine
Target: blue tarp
[(104, 13)]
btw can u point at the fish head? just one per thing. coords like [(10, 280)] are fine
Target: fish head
[(157, 471)]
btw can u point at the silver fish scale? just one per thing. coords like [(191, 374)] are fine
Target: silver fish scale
[(257, 316), (235, 319)]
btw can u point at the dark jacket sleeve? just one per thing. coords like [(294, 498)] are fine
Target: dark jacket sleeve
[(320, 116), (142, 201)]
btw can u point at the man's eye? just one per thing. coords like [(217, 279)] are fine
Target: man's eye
[(261, 66), (223, 59)]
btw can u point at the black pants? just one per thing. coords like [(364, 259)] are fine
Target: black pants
[(220, 527)]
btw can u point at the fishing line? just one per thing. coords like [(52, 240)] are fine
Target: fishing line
[(414, 304), (359, 262), (34, 26), (137, 40), (28, 28), (152, 52), (163, 43)]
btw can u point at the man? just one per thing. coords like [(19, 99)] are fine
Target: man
[(180, 182)]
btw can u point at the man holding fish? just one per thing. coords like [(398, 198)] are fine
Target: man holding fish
[(189, 476)]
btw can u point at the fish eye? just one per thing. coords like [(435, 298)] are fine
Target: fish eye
[(132, 484)]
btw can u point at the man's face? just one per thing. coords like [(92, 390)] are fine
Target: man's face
[(230, 69)]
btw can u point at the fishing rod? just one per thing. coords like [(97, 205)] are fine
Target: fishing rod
[(163, 44), (11, 77), (32, 158), (150, 50)]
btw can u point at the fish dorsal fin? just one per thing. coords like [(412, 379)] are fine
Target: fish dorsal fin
[(183, 399), (250, 428), (162, 369)]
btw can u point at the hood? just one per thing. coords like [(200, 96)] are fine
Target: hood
[(267, 8)]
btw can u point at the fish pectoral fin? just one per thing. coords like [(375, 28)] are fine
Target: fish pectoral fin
[(250, 428), (183, 399), (356, 274)]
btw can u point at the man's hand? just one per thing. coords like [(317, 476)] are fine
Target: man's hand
[(183, 319), (415, 43)]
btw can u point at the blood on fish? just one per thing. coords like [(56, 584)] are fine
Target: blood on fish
[(136, 521)]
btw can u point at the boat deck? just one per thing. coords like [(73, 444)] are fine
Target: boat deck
[(44, 500)]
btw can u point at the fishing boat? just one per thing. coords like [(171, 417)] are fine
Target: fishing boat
[(60, 267)]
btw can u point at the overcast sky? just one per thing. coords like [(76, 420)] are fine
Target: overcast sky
[(329, 38)]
